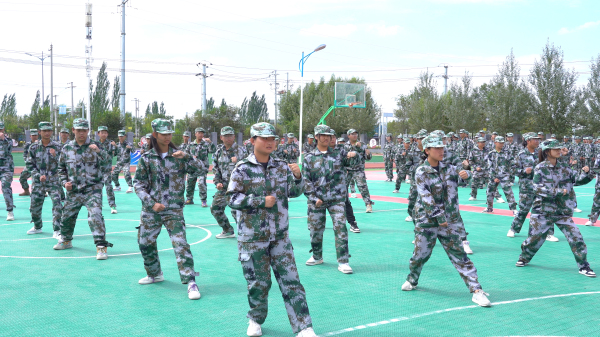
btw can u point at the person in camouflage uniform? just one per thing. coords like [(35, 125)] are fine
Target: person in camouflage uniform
[(64, 138), (464, 145), (123, 154), (412, 162), (401, 154), (7, 168), (356, 170), (291, 150), (489, 146), (477, 161), (310, 144), (499, 165), (111, 150), (42, 162), (595, 212), (25, 174), (146, 145), (553, 182), (224, 160), (513, 150), (588, 152), (186, 141), (324, 174), (388, 157), (82, 168), (200, 148), (577, 153), (259, 188), (525, 164), (437, 217), (159, 183)]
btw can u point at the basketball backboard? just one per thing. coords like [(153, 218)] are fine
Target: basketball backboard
[(349, 95)]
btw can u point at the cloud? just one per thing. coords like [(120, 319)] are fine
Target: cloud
[(330, 30), (586, 25), (383, 30)]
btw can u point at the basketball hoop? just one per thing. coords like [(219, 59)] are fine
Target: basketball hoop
[(351, 105)]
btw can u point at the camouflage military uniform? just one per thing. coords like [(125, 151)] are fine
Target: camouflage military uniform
[(123, 155), (25, 174), (293, 152), (85, 170), (412, 163), (437, 203), (388, 159), (596, 201), (525, 160), (356, 170), (200, 151), (480, 178), (552, 207), (107, 181), (588, 154), (41, 162), (307, 148), (162, 180), (222, 167), (263, 239), (499, 165), (400, 157), (324, 178), (463, 148), (7, 168)]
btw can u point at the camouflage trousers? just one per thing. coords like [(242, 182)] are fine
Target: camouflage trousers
[(38, 195), (316, 226), (361, 181), (596, 203), (526, 198), (150, 225), (217, 209), (258, 258), (25, 174), (389, 168), (539, 227), (124, 167), (191, 186), (110, 193), (400, 176), (479, 180), (352, 186), (92, 200), (6, 179), (492, 191), (413, 194), (450, 238)]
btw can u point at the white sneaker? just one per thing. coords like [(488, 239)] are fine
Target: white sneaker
[(500, 200), (101, 253), (10, 216), (225, 235), (552, 238), (369, 208), (129, 190), (254, 329), (396, 191), (345, 268), (577, 210), (408, 181), (511, 233), (113, 210), (407, 286), (408, 219), (313, 262), (63, 245), (480, 297), (413, 242), (589, 223), (56, 235), (515, 212), (150, 279), (472, 199), (467, 248), (117, 188), (193, 291), (352, 195), (308, 332), (33, 230)]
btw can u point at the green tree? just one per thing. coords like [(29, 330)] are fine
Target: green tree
[(588, 102), (254, 110), (462, 107), (116, 94), (422, 108)]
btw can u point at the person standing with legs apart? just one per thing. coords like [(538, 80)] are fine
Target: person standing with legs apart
[(553, 182), (526, 162), (339, 146), (111, 150), (388, 157), (123, 153), (323, 170), (414, 160), (200, 148), (356, 170), (437, 217), (499, 165), (82, 168), (224, 161), (42, 162), (479, 167), (259, 189), (64, 138), (7, 168), (400, 157), (25, 174)]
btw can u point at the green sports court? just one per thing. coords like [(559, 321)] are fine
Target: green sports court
[(70, 293)]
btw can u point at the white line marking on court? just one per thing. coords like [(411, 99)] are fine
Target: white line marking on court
[(126, 254), (49, 237), (83, 219), (405, 318)]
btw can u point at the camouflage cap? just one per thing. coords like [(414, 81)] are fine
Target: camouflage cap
[(407, 141), (450, 134), (199, 130), (33, 132), (64, 130), (576, 137), (481, 140), (410, 136), (310, 136), (550, 144), (495, 133), (227, 130), (332, 131), (148, 135), (566, 137), (510, 134), (341, 139), (530, 135), (438, 133), (323, 130), (540, 133), (481, 131), (351, 131), (121, 133), (553, 136), (263, 130), (290, 135), (499, 139), (432, 141), (421, 134), (81, 124), (187, 134), (102, 128), (462, 131), (388, 135), (399, 137), (162, 126), (1, 125), (45, 126)]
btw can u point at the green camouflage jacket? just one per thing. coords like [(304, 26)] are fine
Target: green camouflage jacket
[(388, 151), (526, 159), (40, 162), (123, 153), (81, 166), (463, 147), (413, 161), (6, 159), (400, 156), (325, 175), (201, 151), (293, 152), (307, 148), (477, 158), (250, 183), (499, 164), (184, 147), (162, 181), (110, 149), (222, 164), (26, 149), (358, 161)]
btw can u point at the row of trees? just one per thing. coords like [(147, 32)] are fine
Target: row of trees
[(546, 99)]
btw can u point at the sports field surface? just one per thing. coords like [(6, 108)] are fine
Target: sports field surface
[(70, 293)]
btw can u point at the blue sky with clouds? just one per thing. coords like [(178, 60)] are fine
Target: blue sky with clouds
[(386, 42)]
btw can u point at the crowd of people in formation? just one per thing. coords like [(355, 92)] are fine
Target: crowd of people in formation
[(257, 179)]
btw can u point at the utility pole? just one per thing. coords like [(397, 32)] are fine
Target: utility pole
[(52, 89), (122, 93), (204, 76), (446, 80), (275, 87), (72, 105), (137, 109), (89, 60), (41, 59), (287, 82)]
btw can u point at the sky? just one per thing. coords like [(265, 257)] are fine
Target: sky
[(386, 42)]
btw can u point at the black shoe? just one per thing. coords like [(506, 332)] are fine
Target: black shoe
[(522, 263), (354, 227), (587, 271), (189, 202)]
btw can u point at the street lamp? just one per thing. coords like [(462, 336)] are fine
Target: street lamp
[(301, 66)]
